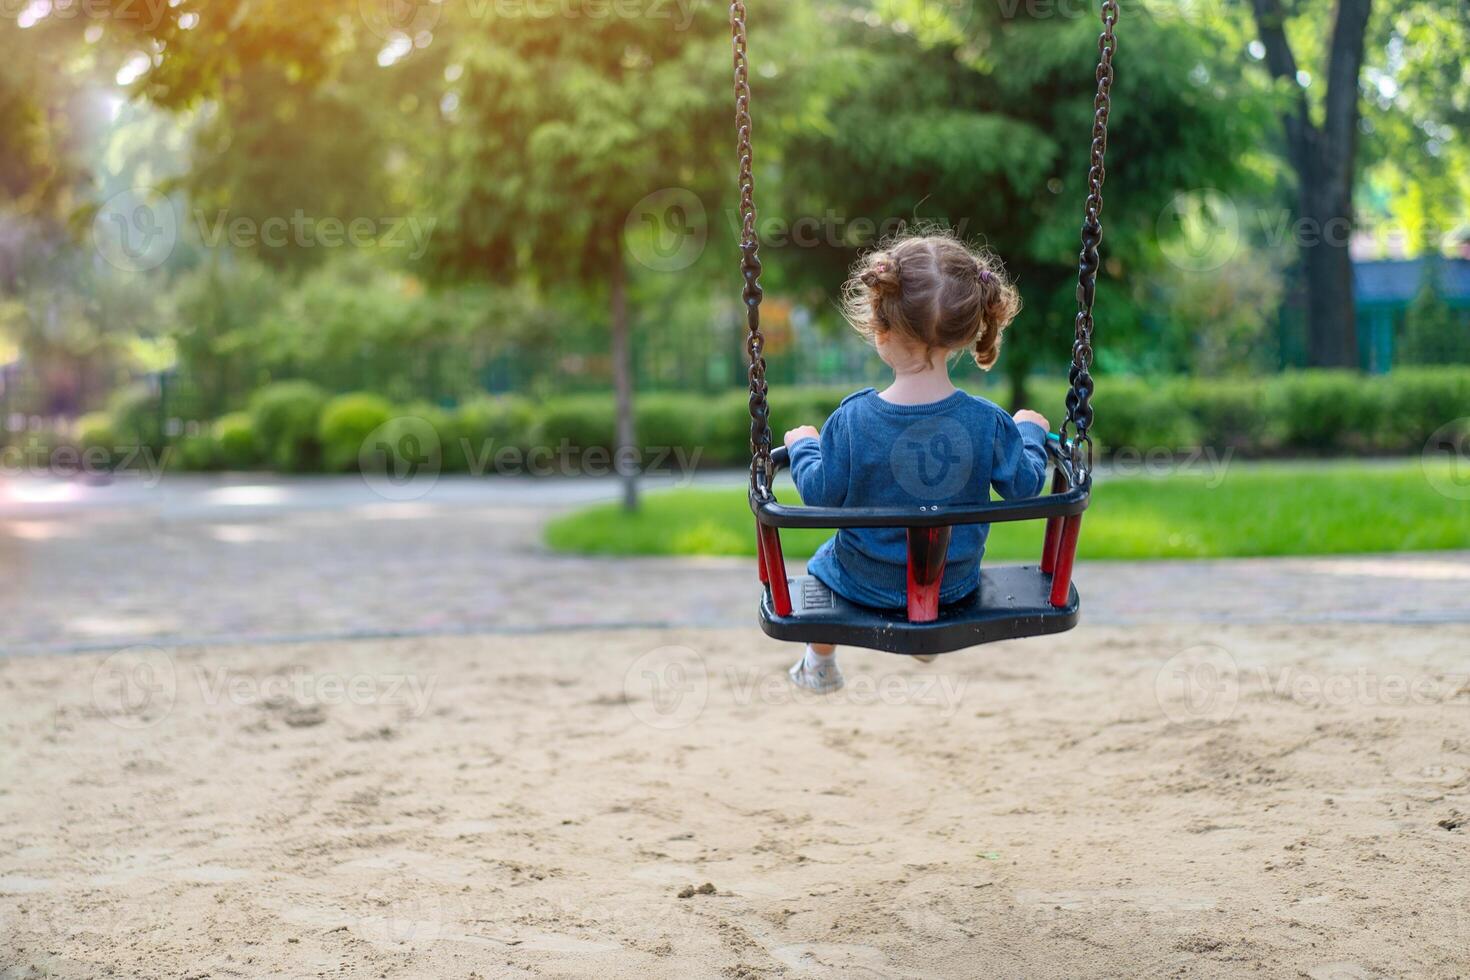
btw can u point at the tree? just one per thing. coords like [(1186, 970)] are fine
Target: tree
[(985, 127), (553, 131), (1324, 156)]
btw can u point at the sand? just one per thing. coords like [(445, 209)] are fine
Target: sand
[(1170, 801)]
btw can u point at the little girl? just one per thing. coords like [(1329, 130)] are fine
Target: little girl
[(920, 441)]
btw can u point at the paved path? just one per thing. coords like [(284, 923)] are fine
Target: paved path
[(259, 559)]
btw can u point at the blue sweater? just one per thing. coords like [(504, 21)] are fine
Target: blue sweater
[(876, 454)]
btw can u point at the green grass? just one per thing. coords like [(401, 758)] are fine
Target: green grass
[(1257, 509)]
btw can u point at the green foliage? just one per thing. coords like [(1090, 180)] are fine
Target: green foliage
[(483, 428), (137, 419), (95, 434), (195, 453), (581, 421), (346, 422), (1139, 416), (286, 416), (1331, 411), (1244, 510), (1433, 332), (1301, 412), (234, 434)]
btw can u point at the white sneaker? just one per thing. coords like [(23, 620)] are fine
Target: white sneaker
[(823, 677)]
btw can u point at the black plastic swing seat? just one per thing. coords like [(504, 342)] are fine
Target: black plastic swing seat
[(1013, 601)]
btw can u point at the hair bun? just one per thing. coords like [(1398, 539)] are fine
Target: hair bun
[(881, 275)]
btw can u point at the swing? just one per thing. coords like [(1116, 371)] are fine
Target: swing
[(1012, 601)]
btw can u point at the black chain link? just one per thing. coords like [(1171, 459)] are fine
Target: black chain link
[(750, 265), (1079, 398)]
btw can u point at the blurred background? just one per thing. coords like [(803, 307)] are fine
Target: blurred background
[(245, 234)]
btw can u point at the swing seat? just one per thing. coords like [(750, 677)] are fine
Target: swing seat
[(1012, 601)]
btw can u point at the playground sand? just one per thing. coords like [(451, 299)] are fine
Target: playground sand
[(1181, 801)]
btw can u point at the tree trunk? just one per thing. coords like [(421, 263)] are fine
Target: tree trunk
[(1018, 369), (1324, 159), (625, 454), (1327, 265)]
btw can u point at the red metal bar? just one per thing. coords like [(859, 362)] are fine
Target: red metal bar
[(760, 556), (1053, 527), (775, 567), (1061, 581), (928, 549)]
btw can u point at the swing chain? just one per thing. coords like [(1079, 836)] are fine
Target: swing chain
[(1079, 397), (750, 266)]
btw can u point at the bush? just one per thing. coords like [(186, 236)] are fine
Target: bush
[(1305, 411), (135, 420), (583, 421), (234, 437), (286, 416), (1233, 414), (346, 422), (480, 429), (194, 454), (1419, 401), (1328, 411), (96, 439), (1138, 415)]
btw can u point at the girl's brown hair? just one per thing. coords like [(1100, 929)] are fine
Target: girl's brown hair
[(935, 290)]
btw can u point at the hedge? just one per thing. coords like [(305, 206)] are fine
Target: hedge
[(293, 427)]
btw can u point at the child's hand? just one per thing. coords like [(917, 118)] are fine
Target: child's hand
[(1026, 415), (801, 432)]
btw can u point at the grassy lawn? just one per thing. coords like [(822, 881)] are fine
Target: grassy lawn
[(1257, 509)]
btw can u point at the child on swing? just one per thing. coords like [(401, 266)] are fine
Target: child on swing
[(921, 441)]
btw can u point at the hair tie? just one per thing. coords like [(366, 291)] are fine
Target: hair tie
[(985, 276)]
